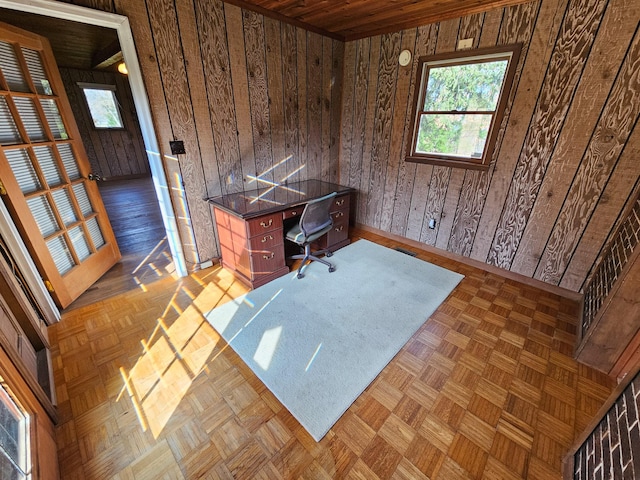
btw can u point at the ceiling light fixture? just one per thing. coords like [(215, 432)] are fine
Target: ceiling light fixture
[(122, 68)]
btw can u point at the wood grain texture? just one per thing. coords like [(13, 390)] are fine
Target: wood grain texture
[(574, 42), (486, 388), (619, 117), (336, 82), (275, 83), (314, 103), (517, 28), (254, 38), (325, 105), (541, 21), (613, 201), (614, 35), (225, 159), (358, 113), (303, 126), (410, 174), (347, 112), (399, 130), (446, 42), (368, 125), (290, 91), (387, 75), (170, 55), (470, 27)]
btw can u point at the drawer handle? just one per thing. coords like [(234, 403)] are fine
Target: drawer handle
[(269, 257), (339, 229), (340, 202), (339, 214), (266, 238), (266, 225)]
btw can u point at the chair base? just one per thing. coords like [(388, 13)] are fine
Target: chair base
[(308, 256)]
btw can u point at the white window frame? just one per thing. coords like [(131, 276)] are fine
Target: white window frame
[(99, 86)]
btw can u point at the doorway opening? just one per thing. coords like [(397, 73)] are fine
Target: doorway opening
[(118, 28)]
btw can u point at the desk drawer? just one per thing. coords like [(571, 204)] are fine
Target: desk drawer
[(265, 241), (340, 203), (261, 225), (293, 212)]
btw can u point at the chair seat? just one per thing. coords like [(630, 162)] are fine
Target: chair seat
[(296, 235)]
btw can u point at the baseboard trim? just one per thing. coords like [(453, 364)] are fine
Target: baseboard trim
[(532, 282)]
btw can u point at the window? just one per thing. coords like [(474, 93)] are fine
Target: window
[(103, 105), (459, 106), (14, 439)]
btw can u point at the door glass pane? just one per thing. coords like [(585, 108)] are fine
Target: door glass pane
[(23, 170), (43, 215), (64, 206), (39, 77), (11, 68), (79, 242), (60, 254), (13, 438), (82, 199), (54, 119), (9, 133), (48, 165), (30, 119), (95, 233), (69, 161)]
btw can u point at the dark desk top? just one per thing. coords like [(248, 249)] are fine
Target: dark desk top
[(255, 203)]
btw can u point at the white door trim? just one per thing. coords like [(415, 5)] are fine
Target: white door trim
[(121, 24)]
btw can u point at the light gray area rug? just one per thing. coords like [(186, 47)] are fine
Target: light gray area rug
[(318, 342)]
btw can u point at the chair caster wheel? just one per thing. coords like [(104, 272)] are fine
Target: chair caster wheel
[(332, 269), (329, 254), (300, 275)]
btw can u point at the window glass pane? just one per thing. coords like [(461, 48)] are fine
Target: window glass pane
[(64, 205), (54, 119), (61, 255), (23, 170), (39, 77), (11, 68), (43, 214), (13, 438), (470, 87), (453, 134), (30, 119), (103, 108), (79, 243), (82, 199), (95, 233), (9, 133), (48, 165), (69, 161)]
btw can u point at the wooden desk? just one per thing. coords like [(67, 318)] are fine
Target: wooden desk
[(251, 226)]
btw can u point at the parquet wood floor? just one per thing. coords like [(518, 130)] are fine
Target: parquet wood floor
[(136, 220), (485, 389)]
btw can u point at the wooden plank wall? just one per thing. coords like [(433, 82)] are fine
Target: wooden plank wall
[(566, 158), (254, 100), (112, 153)]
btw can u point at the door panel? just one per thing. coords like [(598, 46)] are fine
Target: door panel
[(45, 172)]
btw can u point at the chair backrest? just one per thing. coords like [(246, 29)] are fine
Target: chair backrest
[(316, 215)]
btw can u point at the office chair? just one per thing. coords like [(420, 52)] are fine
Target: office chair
[(315, 222)]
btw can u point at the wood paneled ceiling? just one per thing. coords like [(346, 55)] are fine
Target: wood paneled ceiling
[(353, 19)]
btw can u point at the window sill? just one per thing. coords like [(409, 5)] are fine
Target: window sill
[(448, 163)]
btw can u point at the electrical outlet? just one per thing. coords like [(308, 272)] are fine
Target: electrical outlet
[(177, 147)]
